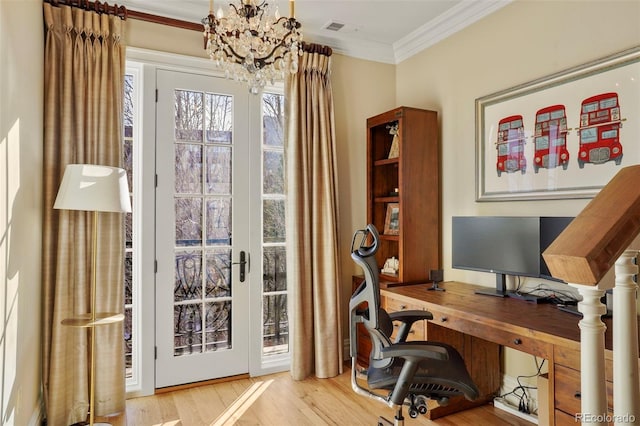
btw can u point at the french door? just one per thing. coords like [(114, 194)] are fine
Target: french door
[(203, 231)]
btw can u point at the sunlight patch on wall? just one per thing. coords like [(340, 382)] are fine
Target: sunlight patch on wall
[(9, 296)]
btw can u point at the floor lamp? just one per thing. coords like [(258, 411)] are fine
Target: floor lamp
[(94, 188)]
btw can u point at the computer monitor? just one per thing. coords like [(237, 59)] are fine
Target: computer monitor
[(504, 245)]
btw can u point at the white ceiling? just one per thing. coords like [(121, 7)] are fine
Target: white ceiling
[(388, 31)]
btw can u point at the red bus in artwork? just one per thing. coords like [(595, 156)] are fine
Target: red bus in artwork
[(550, 138), (510, 145), (599, 131)]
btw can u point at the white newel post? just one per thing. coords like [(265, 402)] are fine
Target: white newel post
[(593, 387), (626, 388)]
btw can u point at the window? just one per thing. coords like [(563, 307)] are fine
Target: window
[(130, 152), (275, 322)]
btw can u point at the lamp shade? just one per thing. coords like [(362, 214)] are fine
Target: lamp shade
[(92, 187)]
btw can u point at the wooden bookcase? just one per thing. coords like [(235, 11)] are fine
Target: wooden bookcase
[(415, 174)]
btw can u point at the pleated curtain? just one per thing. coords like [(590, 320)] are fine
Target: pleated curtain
[(84, 84), (312, 220)]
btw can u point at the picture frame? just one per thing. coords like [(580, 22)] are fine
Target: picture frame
[(392, 219), (561, 136)]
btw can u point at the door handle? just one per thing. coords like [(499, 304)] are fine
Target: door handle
[(244, 263)]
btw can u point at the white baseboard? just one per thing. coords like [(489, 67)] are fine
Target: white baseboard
[(509, 383), (504, 405)]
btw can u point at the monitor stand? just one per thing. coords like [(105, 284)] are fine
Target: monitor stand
[(501, 287)]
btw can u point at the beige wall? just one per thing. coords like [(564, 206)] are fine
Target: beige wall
[(21, 75), (541, 38)]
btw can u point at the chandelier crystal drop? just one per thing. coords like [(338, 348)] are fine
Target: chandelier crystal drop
[(251, 44)]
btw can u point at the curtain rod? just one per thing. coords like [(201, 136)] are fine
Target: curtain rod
[(316, 48), (124, 13), (94, 6)]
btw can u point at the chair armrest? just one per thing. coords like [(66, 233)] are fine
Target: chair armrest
[(411, 315), (415, 351), (408, 318)]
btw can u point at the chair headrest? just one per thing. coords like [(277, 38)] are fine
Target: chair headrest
[(362, 249)]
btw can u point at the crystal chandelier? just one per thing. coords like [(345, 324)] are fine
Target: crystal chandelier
[(251, 44)]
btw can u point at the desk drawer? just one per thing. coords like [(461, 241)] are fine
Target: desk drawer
[(501, 337), (568, 393), (567, 389)]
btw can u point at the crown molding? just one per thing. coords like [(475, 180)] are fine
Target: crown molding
[(360, 49), (465, 13), (455, 19)]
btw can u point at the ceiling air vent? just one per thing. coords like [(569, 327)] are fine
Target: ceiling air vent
[(333, 26)]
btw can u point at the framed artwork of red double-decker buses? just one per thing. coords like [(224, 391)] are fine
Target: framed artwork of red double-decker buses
[(561, 136)]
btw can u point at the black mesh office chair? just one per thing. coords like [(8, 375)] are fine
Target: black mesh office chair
[(404, 373)]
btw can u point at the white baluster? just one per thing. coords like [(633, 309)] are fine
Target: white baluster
[(626, 388), (592, 377)]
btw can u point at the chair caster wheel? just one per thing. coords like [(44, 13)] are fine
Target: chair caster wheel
[(444, 401), (421, 404)]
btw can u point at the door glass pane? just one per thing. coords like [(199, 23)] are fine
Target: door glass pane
[(188, 175), (219, 112), (218, 170), (218, 325), (273, 221), (275, 269), (275, 324), (188, 221), (188, 329), (218, 221), (218, 273), (188, 285), (273, 172), (188, 115), (273, 119)]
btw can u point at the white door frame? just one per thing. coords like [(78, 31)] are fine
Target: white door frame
[(148, 62), (172, 370)]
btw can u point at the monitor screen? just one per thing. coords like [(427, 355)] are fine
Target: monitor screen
[(498, 244), (550, 228), (511, 245)]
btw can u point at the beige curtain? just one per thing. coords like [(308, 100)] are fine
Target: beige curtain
[(84, 83), (312, 220)]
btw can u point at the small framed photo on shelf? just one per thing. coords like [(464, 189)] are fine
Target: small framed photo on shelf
[(392, 220)]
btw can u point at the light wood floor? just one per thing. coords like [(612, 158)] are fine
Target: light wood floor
[(277, 400)]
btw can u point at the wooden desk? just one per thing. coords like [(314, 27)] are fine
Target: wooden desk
[(478, 325)]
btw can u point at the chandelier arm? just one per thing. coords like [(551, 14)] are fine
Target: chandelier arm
[(263, 60), (279, 45), (232, 54)]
